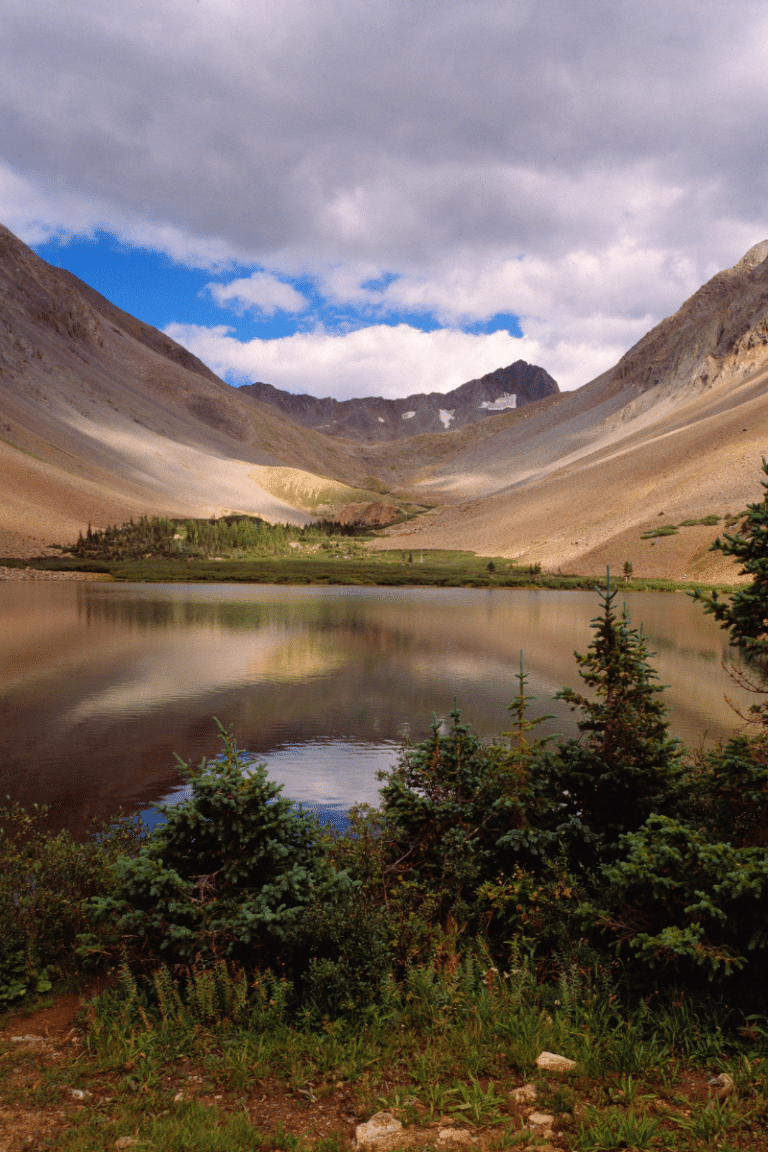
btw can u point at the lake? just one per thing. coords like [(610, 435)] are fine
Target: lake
[(101, 685)]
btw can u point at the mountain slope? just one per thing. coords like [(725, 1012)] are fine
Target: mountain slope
[(103, 417), (677, 427), (373, 419)]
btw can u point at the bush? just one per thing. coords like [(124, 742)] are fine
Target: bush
[(231, 873), (624, 767), (686, 902), (47, 882)]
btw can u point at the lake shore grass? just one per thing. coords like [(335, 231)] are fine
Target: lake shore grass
[(430, 568), (446, 1061)]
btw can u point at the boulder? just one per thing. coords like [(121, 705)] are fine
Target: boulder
[(454, 1136), (552, 1062), (380, 1132)]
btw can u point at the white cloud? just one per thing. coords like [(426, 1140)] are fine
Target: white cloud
[(261, 292), (584, 166), (389, 360)]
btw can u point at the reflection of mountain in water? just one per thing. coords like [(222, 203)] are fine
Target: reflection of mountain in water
[(103, 684)]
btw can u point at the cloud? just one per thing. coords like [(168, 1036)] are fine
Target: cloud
[(385, 360), (261, 292), (578, 165)]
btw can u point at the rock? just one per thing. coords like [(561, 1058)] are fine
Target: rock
[(126, 1142), (721, 1086), (541, 1120), (374, 515), (26, 1039), (453, 1136), (381, 1131), (373, 419), (79, 1094), (554, 1063), (526, 1094)]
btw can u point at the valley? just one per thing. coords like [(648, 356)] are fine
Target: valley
[(103, 418)]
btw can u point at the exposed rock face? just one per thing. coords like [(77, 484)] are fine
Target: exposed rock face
[(373, 515), (373, 418), (722, 328)]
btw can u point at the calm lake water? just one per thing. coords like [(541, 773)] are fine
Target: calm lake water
[(102, 684)]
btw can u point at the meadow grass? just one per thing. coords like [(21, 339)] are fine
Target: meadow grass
[(439, 569), (447, 1049)]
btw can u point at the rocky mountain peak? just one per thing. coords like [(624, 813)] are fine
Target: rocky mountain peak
[(756, 254), (372, 419)]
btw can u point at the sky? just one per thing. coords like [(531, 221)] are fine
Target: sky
[(384, 197)]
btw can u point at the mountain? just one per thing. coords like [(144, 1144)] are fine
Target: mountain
[(103, 417), (373, 419), (674, 431)]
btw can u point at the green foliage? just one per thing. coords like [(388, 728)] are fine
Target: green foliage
[(449, 805), (662, 530), (710, 521), (681, 900), (745, 614), (615, 1128), (624, 767), (729, 792), (153, 536), (230, 873), (47, 880)]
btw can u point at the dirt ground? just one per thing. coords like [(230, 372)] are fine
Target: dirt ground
[(52, 1039)]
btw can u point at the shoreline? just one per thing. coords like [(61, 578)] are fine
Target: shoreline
[(27, 573), (350, 574)]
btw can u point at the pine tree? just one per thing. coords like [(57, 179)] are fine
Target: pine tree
[(745, 614), (624, 767)]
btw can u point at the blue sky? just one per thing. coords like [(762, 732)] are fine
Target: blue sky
[(388, 197), (170, 295)]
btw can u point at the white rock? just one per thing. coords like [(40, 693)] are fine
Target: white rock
[(27, 1039), (523, 1095), (381, 1130), (554, 1063), (542, 1121), (78, 1094), (453, 1136), (722, 1088), (126, 1142)]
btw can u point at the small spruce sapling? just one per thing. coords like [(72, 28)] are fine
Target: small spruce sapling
[(229, 873), (624, 767)]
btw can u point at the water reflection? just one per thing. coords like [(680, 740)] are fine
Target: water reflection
[(101, 684)]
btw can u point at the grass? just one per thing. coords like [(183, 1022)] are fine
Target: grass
[(436, 1054), (439, 569)]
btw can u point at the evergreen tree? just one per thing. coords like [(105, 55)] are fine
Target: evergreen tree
[(624, 767), (745, 614)]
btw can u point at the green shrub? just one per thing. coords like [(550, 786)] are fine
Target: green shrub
[(47, 881), (684, 901), (662, 530), (449, 805), (624, 766), (230, 873)]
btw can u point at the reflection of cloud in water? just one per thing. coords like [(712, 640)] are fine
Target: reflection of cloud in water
[(326, 776), (176, 670)]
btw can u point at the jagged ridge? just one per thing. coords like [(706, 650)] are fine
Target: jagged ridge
[(372, 419)]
